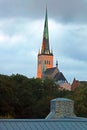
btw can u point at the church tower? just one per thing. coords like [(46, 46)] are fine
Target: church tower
[(45, 56)]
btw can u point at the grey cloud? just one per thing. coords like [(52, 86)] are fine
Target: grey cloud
[(17, 60), (73, 44), (63, 10), (74, 50)]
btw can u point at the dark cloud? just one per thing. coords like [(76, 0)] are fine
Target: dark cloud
[(63, 10)]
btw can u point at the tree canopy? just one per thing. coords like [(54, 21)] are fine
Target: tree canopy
[(22, 97)]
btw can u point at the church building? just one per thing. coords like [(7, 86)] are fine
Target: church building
[(45, 68)]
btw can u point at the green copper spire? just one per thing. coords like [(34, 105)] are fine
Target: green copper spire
[(46, 35), (45, 44)]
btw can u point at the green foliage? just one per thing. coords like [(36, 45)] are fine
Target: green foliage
[(79, 95), (21, 97), (81, 100)]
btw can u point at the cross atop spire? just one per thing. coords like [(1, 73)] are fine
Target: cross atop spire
[(45, 43)]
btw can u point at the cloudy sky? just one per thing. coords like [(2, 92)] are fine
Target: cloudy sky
[(21, 31)]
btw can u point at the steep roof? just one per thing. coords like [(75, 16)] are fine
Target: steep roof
[(45, 43), (60, 76), (49, 71), (77, 83), (44, 124), (55, 74)]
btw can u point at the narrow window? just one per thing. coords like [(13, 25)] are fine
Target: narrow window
[(45, 61)]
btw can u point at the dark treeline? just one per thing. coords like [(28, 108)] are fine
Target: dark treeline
[(21, 97)]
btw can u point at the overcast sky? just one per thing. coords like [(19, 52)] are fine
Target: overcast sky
[(21, 31)]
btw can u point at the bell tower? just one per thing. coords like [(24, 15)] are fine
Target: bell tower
[(45, 56)]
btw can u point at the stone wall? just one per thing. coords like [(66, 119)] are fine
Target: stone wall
[(61, 108)]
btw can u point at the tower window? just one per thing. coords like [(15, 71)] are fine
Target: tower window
[(45, 61)]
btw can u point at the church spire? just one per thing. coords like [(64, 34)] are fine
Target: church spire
[(45, 56), (45, 43)]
